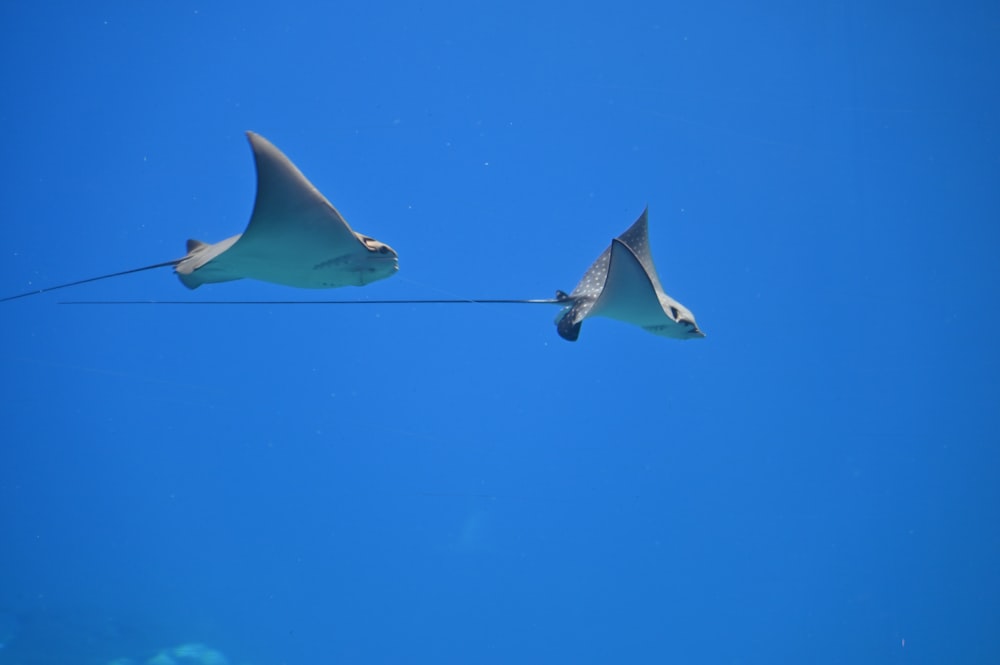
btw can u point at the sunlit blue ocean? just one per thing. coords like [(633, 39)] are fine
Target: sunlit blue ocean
[(812, 482)]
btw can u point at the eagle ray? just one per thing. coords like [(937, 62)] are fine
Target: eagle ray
[(294, 237)]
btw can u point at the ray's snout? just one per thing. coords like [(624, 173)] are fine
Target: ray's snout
[(382, 262)]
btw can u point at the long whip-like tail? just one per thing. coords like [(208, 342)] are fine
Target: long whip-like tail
[(453, 301), (90, 279)]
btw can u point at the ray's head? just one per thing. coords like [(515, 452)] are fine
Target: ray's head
[(691, 331), (687, 327), (380, 262)]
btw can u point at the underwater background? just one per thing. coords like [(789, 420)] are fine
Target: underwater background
[(814, 482)]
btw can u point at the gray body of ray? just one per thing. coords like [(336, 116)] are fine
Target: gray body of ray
[(295, 237), (622, 284)]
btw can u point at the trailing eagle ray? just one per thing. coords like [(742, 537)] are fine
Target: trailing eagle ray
[(295, 237), (621, 284)]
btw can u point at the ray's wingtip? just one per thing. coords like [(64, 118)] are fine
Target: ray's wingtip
[(257, 141), (569, 332), (695, 333), (253, 138)]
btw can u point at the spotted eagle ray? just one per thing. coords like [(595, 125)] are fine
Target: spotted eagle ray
[(621, 284), (295, 237)]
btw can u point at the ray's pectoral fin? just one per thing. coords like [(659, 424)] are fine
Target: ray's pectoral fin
[(622, 284), (570, 318), (568, 324)]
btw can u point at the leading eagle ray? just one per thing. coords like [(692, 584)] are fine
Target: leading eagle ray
[(295, 237)]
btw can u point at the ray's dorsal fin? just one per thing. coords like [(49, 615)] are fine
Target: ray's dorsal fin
[(193, 245)]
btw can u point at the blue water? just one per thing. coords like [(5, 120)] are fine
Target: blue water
[(814, 482)]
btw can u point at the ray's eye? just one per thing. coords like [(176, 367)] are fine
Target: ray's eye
[(673, 310), (383, 250)]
